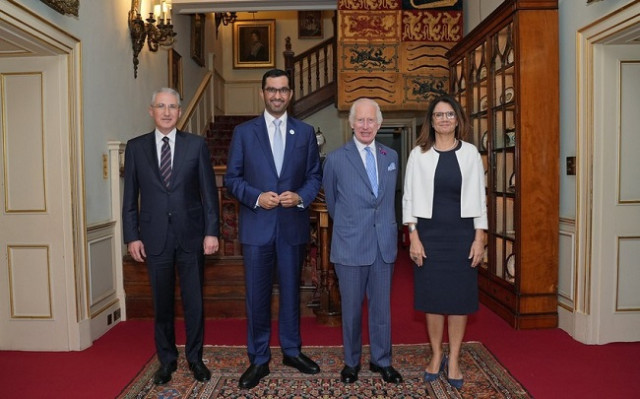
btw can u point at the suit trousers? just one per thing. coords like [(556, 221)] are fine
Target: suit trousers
[(162, 275), (261, 263), (374, 281)]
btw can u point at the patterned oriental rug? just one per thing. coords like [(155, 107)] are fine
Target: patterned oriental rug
[(484, 376)]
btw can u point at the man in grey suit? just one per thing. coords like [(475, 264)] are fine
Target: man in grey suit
[(359, 184)]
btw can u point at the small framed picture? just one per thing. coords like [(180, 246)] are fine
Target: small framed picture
[(309, 24), (175, 71), (254, 44), (197, 38)]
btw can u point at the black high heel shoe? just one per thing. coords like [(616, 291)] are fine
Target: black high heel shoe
[(428, 377)]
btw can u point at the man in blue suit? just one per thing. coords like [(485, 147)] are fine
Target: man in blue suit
[(170, 219), (359, 185), (274, 171)]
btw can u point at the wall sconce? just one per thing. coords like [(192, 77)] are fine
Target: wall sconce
[(225, 18), (156, 34)]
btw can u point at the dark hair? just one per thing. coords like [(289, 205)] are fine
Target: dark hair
[(428, 134), (275, 73), (256, 32)]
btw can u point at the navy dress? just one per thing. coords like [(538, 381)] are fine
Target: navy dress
[(446, 283)]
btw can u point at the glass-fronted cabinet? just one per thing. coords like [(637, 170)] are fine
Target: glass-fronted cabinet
[(505, 74)]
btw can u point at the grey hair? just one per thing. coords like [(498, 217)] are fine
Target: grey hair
[(167, 90), (352, 111)]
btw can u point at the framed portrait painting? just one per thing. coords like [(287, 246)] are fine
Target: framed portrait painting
[(197, 38), (175, 71), (309, 24), (254, 44)]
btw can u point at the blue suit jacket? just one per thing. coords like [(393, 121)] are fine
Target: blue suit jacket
[(190, 204), (251, 170), (361, 221)]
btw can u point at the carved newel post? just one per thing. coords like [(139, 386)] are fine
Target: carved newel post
[(328, 310)]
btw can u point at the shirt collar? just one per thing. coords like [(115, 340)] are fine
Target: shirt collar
[(361, 146), (171, 135), (270, 118)]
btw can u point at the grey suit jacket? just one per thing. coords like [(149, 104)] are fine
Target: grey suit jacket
[(361, 221)]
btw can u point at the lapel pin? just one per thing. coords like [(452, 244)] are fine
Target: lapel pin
[(291, 131)]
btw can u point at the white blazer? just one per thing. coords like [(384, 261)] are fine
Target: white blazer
[(417, 200)]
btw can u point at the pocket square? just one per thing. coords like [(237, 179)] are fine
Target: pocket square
[(392, 166)]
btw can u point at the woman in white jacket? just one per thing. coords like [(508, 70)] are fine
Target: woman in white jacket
[(444, 206)]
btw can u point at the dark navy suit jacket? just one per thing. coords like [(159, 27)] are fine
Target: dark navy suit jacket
[(190, 204), (251, 170)]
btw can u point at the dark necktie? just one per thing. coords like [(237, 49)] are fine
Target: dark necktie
[(165, 162)]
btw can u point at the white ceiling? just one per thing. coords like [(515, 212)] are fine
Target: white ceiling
[(204, 6)]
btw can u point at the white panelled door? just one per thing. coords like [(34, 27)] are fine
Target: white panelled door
[(616, 193), (37, 284)]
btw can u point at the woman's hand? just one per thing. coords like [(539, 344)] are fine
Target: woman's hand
[(416, 250), (476, 254)]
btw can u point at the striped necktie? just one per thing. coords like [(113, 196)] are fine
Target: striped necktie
[(165, 162)]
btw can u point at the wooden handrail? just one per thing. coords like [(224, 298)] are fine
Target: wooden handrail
[(198, 102)]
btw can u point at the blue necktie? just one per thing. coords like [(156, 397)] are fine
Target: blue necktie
[(165, 162), (278, 146), (371, 171)]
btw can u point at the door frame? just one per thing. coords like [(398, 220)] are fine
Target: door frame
[(38, 37), (612, 29)]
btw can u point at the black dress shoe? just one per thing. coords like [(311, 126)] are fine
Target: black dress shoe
[(389, 374), (349, 375), (252, 376), (163, 374), (302, 363), (200, 371)]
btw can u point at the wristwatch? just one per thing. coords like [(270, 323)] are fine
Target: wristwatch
[(411, 227)]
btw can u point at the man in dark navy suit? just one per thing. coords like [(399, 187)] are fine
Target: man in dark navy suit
[(170, 219), (274, 171)]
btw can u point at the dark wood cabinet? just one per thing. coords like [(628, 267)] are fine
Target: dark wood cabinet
[(505, 73)]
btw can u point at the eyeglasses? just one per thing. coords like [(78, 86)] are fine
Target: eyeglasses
[(272, 90), (172, 107), (442, 115)]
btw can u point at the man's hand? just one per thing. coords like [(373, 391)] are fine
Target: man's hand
[(210, 245), (136, 249), (268, 200), (289, 199)]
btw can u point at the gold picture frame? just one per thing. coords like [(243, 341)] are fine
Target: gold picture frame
[(197, 38), (254, 44), (175, 71)]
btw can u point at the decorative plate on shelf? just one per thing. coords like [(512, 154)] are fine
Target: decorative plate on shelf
[(483, 103), (510, 136), (482, 73), (508, 94), (511, 266), (483, 145), (512, 182)]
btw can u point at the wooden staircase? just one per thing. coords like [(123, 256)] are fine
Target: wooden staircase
[(224, 290)]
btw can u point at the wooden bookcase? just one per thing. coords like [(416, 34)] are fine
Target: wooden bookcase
[(505, 73)]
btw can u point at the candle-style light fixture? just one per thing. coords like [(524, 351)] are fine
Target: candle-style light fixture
[(225, 18), (157, 30)]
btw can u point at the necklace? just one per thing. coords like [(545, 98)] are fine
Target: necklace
[(455, 143)]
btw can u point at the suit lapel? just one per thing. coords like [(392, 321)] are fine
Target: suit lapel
[(262, 137), (290, 142), (151, 152), (179, 153), (353, 155), (383, 164)]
